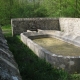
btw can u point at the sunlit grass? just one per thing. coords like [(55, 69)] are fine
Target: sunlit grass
[(7, 30)]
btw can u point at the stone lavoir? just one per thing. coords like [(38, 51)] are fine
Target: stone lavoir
[(66, 29)]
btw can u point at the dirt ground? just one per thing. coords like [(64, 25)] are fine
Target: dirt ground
[(58, 46)]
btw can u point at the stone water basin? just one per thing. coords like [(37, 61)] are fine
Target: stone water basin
[(55, 50)]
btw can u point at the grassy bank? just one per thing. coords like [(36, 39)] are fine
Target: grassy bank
[(31, 67)]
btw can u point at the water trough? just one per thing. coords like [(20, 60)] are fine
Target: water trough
[(69, 63)]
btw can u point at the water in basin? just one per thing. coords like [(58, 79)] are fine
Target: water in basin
[(58, 46)]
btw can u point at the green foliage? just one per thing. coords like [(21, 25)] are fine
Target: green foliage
[(75, 77), (20, 9), (37, 8), (40, 12), (62, 8)]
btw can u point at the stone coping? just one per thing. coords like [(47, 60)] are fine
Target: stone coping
[(17, 19), (70, 38)]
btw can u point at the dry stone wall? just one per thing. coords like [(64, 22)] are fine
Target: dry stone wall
[(8, 66), (20, 25)]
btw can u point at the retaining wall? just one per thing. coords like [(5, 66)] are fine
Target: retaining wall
[(20, 25), (8, 66)]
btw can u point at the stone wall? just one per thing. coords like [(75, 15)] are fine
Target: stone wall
[(8, 66), (66, 25), (70, 26), (20, 25)]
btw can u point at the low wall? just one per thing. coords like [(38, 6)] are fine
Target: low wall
[(20, 25), (8, 66), (66, 25)]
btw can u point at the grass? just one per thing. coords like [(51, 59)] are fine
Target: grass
[(75, 76), (31, 67), (7, 30)]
